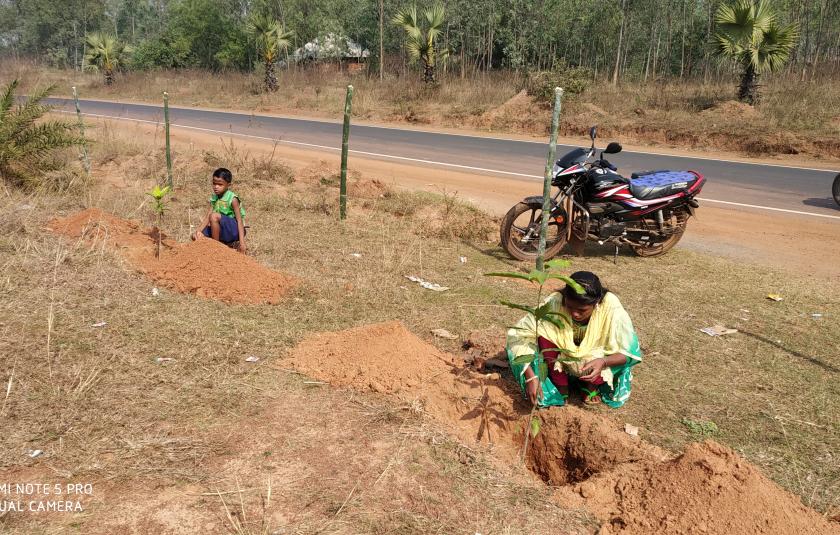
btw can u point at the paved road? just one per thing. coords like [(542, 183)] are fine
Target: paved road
[(788, 188)]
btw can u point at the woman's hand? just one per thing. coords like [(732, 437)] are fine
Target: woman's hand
[(592, 369), (198, 235), (534, 390), (242, 248)]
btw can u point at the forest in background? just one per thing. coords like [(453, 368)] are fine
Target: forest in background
[(645, 39)]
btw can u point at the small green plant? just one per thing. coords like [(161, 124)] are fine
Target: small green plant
[(542, 312), (158, 207), (701, 427)]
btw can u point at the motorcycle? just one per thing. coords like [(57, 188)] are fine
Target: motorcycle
[(835, 189), (648, 211)]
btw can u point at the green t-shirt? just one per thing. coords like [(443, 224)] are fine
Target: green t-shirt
[(224, 204)]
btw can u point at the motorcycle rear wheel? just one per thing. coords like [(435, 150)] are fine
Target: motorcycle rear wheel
[(679, 221), (835, 189), (516, 224)]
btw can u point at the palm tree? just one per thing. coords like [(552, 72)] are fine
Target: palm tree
[(748, 32), (107, 54), (270, 38), (27, 143), (421, 43)]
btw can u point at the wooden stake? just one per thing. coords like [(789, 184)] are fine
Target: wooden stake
[(342, 192), (85, 158), (166, 128)]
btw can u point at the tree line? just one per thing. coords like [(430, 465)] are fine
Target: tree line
[(613, 39)]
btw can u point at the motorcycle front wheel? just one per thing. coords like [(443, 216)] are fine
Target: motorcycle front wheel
[(520, 232), (835, 189)]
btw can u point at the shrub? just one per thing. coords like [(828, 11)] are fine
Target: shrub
[(573, 80), (167, 51), (28, 146)]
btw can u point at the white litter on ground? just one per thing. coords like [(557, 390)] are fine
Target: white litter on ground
[(426, 284), (718, 330), (443, 333)]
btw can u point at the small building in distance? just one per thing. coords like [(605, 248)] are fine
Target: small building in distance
[(333, 51)]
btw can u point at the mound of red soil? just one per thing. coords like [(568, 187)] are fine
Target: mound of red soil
[(631, 486), (204, 267), (389, 359), (707, 489), (210, 269)]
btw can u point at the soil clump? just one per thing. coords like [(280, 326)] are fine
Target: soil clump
[(387, 358), (732, 108), (631, 486), (517, 113), (204, 267)]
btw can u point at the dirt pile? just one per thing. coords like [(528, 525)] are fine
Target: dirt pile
[(631, 486), (517, 113), (707, 489), (387, 358), (635, 487), (204, 267), (732, 109), (367, 189), (210, 269)]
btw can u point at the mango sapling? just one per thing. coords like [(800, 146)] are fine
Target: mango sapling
[(158, 207), (541, 312)]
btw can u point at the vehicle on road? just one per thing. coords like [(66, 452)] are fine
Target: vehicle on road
[(835, 189), (648, 211)]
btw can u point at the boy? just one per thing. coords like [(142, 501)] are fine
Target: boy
[(226, 220)]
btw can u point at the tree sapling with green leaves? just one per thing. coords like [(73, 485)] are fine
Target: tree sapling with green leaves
[(158, 207), (542, 312)]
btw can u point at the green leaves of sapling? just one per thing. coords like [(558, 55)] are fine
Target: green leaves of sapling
[(535, 426), (158, 192)]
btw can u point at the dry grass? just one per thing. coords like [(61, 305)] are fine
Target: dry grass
[(207, 422), (793, 118)]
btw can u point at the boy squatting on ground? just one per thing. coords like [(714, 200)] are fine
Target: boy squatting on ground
[(226, 220)]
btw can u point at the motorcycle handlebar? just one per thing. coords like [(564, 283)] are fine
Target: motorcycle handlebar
[(604, 163)]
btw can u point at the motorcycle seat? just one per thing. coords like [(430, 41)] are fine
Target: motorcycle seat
[(655, 184)]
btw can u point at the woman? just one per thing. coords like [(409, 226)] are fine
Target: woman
[(597, 347)]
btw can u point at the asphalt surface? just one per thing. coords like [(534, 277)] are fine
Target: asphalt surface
[(788, 188)]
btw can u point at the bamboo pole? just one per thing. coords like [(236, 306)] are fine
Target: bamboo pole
[(166, 128), (345, 136), (549, 167), (85, 157)]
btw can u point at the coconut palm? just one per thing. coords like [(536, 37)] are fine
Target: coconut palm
[(421, 42), (271, 38), (107, 54), (26, 143), (749, 33)]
